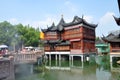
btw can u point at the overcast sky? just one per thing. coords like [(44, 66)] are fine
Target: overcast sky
[(40, 13)]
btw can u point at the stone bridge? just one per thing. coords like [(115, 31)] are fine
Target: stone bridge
[(6, 69), (26, 57), (8, 63)]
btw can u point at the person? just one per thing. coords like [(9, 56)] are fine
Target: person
[(23, 50), (6, 51), (1, 56)]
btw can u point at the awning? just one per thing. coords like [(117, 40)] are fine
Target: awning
[(3, 46)]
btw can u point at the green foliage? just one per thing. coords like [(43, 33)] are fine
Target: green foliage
[(7, 33), (18, 35), (28, 35), (97, 38)]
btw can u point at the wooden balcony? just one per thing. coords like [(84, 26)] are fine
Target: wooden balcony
[(73, 36), (86, 35), (51, 37), (116, 49), (58, 48)]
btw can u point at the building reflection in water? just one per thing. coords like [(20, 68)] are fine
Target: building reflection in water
[(63, 64), (85, 70), (115, 68), (103, 68), (72, 70), (76, 70)]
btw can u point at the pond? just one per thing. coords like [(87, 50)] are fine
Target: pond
[(76, 70)]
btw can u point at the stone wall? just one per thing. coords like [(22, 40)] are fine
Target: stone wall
[(7, 69)]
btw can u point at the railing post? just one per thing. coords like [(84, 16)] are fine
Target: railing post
[(25, 57)]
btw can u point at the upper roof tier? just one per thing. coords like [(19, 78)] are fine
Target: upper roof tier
[(78, 20), (62, 24), (112, 37)]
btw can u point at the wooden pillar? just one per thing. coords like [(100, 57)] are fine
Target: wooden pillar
[(82, 64), (56, 59), (59, 60), (49, 57), (82, 58), (72, 60), (111, 58), (69, 60), (111, 65), (46, 58), (59, 57), (59, 63)]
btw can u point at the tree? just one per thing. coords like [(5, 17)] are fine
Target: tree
[(18, 35), (29, 36), (6, 33)]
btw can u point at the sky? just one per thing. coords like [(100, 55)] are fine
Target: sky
[(42, 13)]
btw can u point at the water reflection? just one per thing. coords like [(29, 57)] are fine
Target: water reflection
[(103, 68), (63, 65), (76, 70)]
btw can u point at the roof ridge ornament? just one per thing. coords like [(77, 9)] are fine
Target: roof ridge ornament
[(62, 16), (53, 24), (61, 22), (82, 16)]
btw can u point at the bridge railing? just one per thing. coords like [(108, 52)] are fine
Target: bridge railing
[(27, 57)]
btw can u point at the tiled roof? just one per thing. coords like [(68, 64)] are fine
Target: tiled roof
[(78, 20), (57, 42), (99, 41), (112, 38), (64, 43), (62, 24)]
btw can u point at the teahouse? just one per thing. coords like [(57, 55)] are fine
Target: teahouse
[(74, 39)]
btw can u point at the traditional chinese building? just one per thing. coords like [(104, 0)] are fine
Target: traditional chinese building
[(114, 39), (76, 38)]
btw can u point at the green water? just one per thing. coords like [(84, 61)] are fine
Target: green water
[(76, 70)]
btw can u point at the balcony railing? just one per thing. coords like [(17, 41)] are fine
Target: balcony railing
[(71, 36), (116, 49), (76, 51)]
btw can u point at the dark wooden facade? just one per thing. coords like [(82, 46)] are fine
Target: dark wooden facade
[(78, 36)]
